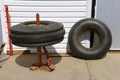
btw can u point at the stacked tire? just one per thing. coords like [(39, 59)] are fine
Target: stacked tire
[(27, 34)]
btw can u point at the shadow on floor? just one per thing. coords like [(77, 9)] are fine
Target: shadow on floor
[(26, 60)]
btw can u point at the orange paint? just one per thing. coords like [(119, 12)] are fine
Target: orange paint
[(38, 23), (37, 19), (38, 48)]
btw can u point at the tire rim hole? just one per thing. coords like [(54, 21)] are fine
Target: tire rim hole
[(88, 39)]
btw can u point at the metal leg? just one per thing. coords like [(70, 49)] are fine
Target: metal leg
[(39, 64), (51, 66), (39, 60), (39, 56)]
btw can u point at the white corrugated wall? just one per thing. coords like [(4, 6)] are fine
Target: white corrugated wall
[(1, 36), (68, 12)]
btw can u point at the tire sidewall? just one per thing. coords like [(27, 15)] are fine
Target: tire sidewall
[(37, 38), (23, 28), (94, 25)]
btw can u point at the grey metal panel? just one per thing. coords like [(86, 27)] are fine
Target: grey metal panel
[(109, 12)]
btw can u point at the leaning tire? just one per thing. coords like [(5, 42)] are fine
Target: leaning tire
[(101, 46)]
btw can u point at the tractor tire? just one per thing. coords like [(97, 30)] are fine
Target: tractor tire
[(28, 35), (102, 43), (39, 44), (45, 27), (37, 38)]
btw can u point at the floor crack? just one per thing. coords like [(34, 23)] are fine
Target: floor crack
[(88, 70)]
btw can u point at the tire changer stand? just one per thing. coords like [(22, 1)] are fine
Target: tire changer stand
[(50, 65)]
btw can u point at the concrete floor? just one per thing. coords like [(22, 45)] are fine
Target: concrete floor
[(67, 68)]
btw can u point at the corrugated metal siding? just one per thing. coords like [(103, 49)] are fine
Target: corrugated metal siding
[(67, 12), (1, 8), (109, 12), (1, 40)]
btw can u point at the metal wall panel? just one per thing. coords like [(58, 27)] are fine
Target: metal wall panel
[(1, 40), (109, 12), (1, 8)]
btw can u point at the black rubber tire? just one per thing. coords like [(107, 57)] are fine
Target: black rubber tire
[(39, 44), (23, 28), (100, 49), (37, 38)]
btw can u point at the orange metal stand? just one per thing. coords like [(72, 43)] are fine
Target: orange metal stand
[(51, 66), (8, 27), (39, 63)]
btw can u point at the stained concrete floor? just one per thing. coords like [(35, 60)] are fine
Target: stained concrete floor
[(67, 68)]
